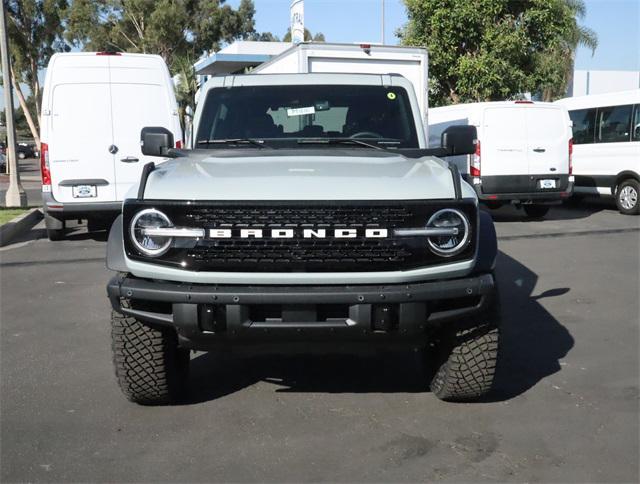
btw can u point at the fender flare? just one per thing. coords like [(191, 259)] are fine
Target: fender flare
[(487, 244), (116, 260), (623, 175)]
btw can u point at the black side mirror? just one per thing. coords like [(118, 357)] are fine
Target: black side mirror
[(459, 140), (156, 141)]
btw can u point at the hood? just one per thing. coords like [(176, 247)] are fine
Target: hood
[(303, 174)]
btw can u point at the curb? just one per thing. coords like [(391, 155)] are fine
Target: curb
[(19, 225)]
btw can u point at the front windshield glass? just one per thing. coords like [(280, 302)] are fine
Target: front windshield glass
[(286, 115)]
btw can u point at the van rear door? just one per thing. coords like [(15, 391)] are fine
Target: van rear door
[(548, 141), (80, 133), (140, 96), (503, 144)]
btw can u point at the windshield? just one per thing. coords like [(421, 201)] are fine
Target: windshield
[(285, 115)]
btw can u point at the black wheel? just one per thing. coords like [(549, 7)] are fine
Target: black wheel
[(627, 197), (21, 155), (55, 227), (535, 211), (150, 367), (465, 360)]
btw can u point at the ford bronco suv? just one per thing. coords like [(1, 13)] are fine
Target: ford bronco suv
[(309, 215)]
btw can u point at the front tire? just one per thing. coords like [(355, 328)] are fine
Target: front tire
[(535, 211), (150, 367), (466, 359), (627, 197)]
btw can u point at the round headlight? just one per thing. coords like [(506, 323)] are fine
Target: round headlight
[(450, 244), (147, 244)]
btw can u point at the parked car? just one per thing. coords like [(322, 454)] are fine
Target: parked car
[(26, 150), (606, 137), (309, 215), (94, 106), (523, 155)]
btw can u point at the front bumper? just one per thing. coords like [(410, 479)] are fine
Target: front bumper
[(207, 316)]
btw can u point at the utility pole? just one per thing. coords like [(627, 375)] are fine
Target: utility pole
[(382, 22), (15, 196)]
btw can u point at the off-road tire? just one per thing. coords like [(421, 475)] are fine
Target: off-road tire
[(626, 205), (465, 359), (150, 367), (535, 211)]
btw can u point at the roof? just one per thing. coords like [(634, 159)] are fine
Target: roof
[(238, 56)]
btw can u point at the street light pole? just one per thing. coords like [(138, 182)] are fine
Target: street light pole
[(15, 196)]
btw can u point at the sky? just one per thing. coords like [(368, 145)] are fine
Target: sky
[(616, 22)]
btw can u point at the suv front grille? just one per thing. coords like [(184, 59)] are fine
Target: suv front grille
[(359, 254)]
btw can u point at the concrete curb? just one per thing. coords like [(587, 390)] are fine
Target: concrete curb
[(19, 225)]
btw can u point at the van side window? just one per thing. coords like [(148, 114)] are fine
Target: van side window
[(635, 125), (583, 125), (613, 124)]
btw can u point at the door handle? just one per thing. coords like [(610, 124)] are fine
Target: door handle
[(539, 150), (129, 159)]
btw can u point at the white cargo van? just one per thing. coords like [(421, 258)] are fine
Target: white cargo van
[(606, 136), (93, 108), (523, 154)]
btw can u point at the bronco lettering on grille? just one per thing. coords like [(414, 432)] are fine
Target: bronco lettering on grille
[(297, 233)]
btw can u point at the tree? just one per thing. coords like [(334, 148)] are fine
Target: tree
[(169, 28), (35, 29), (494, 49), (319, 37)]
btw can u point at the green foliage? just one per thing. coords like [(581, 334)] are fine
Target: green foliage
[(495, 49), (308, 36), (34, 28), (170, 28)]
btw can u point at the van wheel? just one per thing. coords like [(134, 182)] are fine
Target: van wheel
[(150, 367), (55, 227), (535, 211), (627, 197)]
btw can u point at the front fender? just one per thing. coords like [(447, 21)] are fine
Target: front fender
[(487, 244), (115, 247)]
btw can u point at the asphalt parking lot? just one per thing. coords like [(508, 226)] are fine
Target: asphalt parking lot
[(566, 406)]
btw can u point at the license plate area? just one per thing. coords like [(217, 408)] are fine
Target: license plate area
[(547, 184), (84, 191)]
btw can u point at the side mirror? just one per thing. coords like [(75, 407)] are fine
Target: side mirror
[(156, 141), (459, 140)]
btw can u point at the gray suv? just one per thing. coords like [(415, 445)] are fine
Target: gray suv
[(309, 214)]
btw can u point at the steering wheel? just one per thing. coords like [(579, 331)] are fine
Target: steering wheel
[(366, 134)]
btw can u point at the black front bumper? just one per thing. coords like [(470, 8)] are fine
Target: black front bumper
[(206, 316)]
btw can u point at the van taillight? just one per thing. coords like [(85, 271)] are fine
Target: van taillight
[(571, 156), (44, 164), (474, 169), (108, 52), (179, 144)]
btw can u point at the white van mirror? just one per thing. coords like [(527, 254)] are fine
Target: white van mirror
[(459, 140), (156, 141)]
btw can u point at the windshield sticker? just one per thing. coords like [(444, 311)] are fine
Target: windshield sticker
[(300, 111), (391, 95)]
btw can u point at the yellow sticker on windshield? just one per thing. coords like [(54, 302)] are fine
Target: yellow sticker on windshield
[(391, 95)]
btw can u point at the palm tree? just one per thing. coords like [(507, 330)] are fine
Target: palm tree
[(576, 36)]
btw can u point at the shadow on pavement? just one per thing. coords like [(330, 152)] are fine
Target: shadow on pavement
[(567, 211), (533, 342)]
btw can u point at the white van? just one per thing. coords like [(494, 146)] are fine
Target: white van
[(606, 135), (523, 155), (93, 108)]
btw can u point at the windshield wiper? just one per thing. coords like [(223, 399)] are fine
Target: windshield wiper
[(237, 141), (338, 141)]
